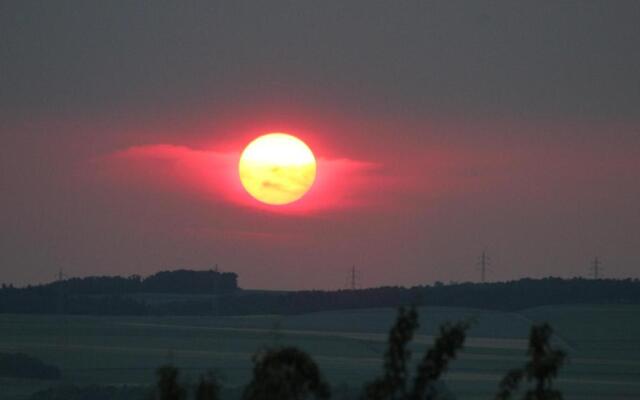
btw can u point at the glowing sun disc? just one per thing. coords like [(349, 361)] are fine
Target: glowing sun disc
[(277, 168)]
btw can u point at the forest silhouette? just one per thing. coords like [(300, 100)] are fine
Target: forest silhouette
[(217, 293)]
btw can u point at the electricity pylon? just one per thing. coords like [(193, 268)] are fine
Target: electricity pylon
[(596, 268), (483, 264), (353, 278)]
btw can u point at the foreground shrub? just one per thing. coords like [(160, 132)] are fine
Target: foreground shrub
[(168, 386), (285, 374), (393, 383), (541, 369)]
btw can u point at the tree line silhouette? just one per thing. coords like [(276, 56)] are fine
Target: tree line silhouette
[(215, 293)]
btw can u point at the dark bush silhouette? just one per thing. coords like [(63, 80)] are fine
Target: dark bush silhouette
[(509, 384), (436, 361), (393, 384), (208, 387), (285, 374), (542, 367), (168, 386), (19, 365)]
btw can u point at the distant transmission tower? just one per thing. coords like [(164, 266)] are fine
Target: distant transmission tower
[(353, 278), (483, 263), (596, 268)]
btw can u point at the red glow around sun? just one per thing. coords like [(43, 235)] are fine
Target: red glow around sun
[(339, 183)]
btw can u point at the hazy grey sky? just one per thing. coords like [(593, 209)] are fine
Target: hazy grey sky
[(451, 126)]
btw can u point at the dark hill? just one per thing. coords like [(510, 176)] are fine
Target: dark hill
[(185, 292)]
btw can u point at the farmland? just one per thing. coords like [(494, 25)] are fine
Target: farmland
[(603, 343)]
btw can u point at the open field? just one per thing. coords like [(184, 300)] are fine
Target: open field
[(603, 343)]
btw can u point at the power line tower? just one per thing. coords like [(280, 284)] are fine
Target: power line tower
[(354, 275), (596, 268), (483, 264)]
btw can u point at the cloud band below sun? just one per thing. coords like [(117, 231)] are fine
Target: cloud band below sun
[(340, 182)]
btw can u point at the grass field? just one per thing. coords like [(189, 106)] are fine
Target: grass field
[(603, 343)]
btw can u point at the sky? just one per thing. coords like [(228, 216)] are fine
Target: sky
[(441, 128)]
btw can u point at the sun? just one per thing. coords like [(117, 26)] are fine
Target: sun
[(277, 168)]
